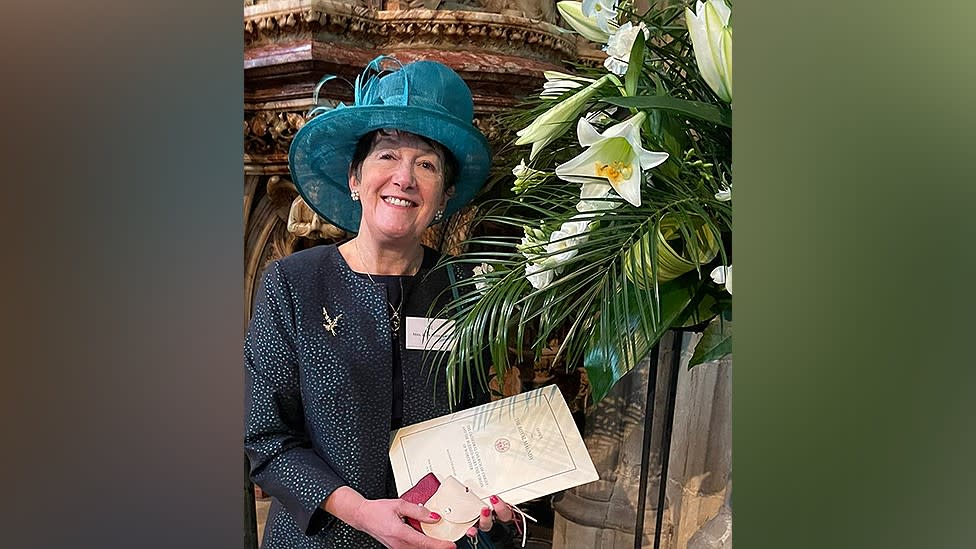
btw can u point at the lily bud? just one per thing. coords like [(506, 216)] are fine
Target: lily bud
[(572, 12), (554, 122), (711, 37)]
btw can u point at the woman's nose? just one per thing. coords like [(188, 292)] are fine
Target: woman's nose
[(403, 175)]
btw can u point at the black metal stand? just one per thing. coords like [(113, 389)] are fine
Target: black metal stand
[(667, 424), (666, 433), (646, 449), (250, 514)]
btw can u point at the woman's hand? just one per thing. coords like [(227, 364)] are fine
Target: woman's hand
[(383, 519), (499, 510)]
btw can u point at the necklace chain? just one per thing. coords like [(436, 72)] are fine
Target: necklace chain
[(394, 312)]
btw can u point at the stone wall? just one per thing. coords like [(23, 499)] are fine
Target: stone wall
[(603, 514)]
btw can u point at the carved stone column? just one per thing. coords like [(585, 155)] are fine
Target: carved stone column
[(602, 514), (700, 472)]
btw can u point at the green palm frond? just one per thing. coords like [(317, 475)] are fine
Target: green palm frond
[(599, 307)]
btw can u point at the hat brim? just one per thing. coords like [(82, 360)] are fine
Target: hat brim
[(322, 151)]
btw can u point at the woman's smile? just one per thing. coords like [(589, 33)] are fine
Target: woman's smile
[(401, 202)]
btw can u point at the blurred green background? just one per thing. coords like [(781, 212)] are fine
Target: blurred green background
[(853, 184)]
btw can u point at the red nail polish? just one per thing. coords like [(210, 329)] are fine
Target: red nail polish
[(493, 499), (485, 512), (435, 516)]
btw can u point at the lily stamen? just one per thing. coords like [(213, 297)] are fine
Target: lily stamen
[(615, 172)]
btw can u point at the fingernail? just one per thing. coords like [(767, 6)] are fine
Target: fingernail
[(485, 512), (435, 516), (493, 499)]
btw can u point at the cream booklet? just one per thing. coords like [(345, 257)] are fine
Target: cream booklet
[(519, 448)]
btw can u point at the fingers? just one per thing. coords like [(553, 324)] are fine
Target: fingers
[(416, 511), (384, 521), (485, 521), (413, 538), (432, 543), (499, 510), (421, 541), (502, 510)]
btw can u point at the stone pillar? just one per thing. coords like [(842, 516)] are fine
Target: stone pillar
[(700, 469), (602, 514)]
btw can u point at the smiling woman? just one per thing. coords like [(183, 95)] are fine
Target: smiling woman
[(405, 187), (328, 369)]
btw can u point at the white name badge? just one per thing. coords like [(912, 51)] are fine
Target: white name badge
[(430, 334)]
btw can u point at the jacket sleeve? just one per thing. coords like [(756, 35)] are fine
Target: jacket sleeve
[(283, 461)]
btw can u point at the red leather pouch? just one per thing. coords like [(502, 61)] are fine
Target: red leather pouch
[(421, 493)]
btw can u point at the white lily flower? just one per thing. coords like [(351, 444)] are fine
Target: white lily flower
[(619, 46), (570, 234), (591, 194), (540, 275), (724, 195), (723, 275), (481, 272), (711, 37), (572, 12), (616, 155), (604, 11), (558, 83), (554, 122), (558, 87)]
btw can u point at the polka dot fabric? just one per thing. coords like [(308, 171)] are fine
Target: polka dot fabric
[(318, 405)]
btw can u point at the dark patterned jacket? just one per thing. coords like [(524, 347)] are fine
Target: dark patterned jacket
[(318, 405)]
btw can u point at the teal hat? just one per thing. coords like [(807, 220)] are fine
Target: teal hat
[(424, 98)]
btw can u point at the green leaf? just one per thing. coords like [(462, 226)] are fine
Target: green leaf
[(716, 341), (697, 109), (611, 354), (663, 131), (702, 309), (635, 65)]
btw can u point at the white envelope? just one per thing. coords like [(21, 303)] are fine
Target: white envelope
[(519, 448)]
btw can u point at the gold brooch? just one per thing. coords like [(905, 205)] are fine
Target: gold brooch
[(328, 322)]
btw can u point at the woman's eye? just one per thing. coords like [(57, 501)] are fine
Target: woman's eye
[(428, 165), (386, 156)]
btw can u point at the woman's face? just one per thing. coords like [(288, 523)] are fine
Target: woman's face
[(401, 187)]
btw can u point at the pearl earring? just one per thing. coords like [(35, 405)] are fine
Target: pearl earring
[(438, 216), (355, 195)]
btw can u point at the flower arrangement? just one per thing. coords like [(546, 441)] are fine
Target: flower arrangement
[(625, 224)]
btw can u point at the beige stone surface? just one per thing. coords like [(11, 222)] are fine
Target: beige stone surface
[(602, 514), (262, 506), (701, 445)]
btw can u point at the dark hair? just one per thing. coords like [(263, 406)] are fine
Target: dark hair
[(365, 145)]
